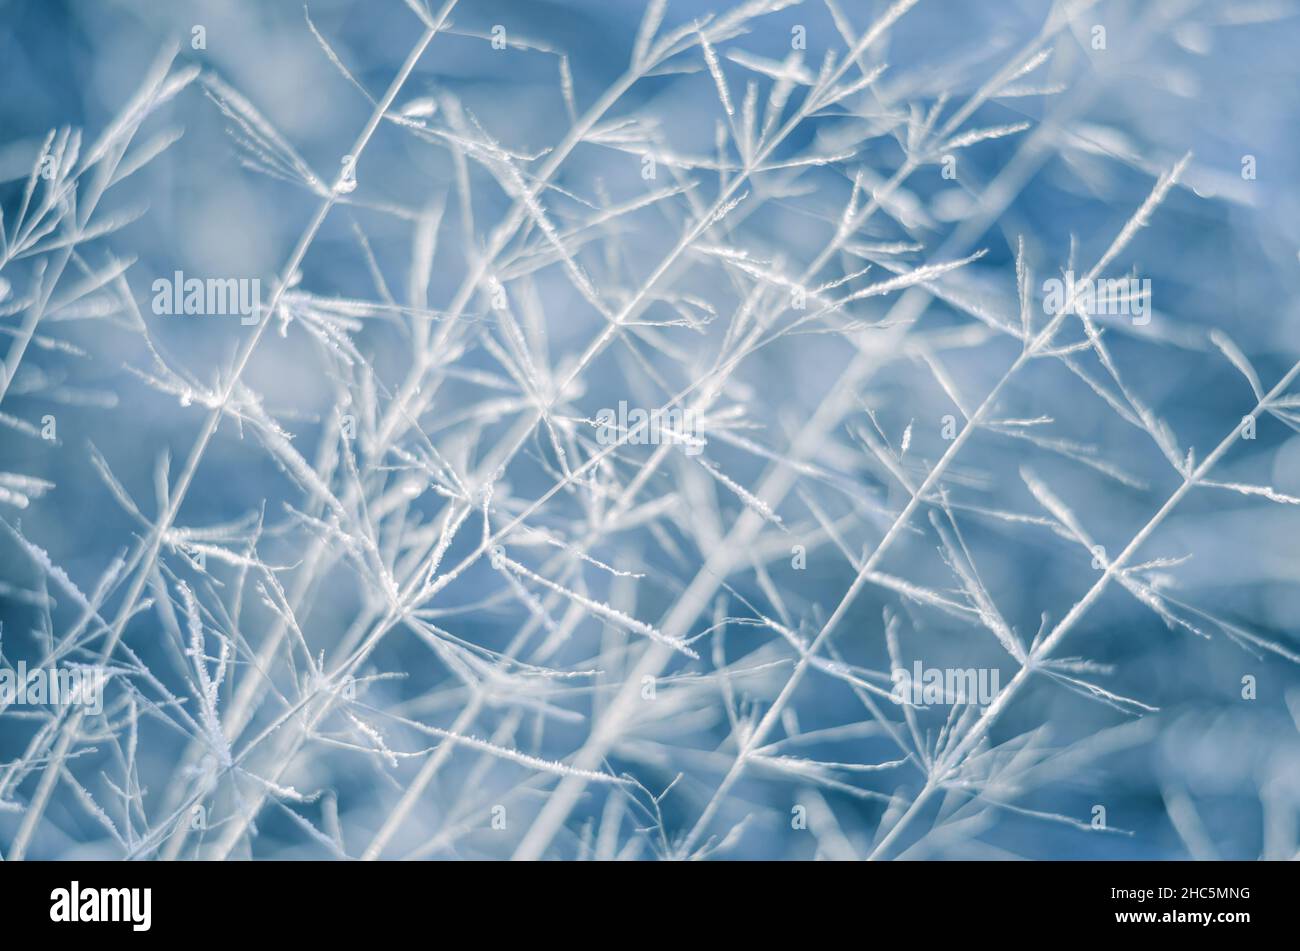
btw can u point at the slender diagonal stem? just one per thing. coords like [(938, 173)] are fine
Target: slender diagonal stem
[(147, 552)]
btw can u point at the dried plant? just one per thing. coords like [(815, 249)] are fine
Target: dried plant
[(831, 430)]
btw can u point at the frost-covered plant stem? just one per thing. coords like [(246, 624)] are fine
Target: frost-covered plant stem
[(702, 223), (147, 553), (1052, 641), (1029, 352), (722, 562)]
